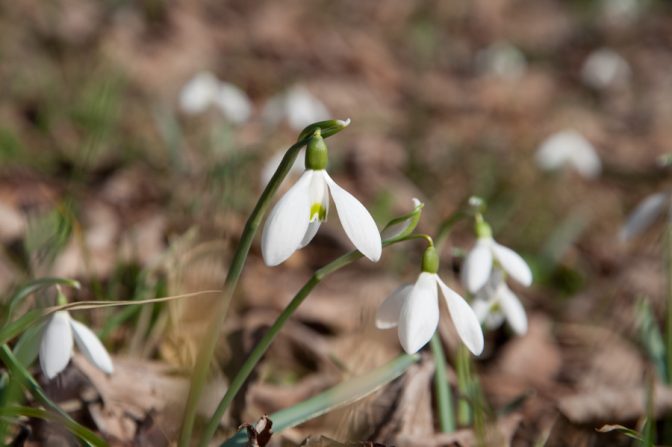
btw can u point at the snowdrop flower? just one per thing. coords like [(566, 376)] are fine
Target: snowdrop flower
[(298, 106), (297, 216), (205, 90), (481, 259), (569, 148), (646, 213), (57, 343), (414, 309), (495, 302), (605, 68)]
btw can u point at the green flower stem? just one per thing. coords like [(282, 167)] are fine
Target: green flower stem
[(263, 345), (21, 373), (206, 353), (444, 398), (464, 413), (668, 294), (447, 226)]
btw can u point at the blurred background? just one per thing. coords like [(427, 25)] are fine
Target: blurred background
[(135, 138)]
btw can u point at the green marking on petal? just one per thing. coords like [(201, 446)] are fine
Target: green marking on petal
[(317, 210)]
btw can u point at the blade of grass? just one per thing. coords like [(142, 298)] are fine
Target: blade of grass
[(342, 394), (444, 398)]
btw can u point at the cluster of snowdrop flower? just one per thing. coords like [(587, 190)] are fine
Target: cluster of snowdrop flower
[(484, 274), (569, 148), (60, 333)]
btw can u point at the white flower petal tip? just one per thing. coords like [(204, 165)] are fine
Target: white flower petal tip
[(56, 345), (388, 313), (513, 310), (644, 216), (477, 265), (605, 68), (569, 148), (513, 264), (358, 224), (344, 123), (91, 347), (287, 223), (464, 318), (419, 316)]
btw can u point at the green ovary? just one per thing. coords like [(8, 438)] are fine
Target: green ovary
[(317, 210)]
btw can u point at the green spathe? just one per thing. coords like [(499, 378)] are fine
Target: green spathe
[(430, 260), (317, 155)]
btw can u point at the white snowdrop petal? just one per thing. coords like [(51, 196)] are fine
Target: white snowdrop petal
[(513, 310), (513, 264), (287, 223), (644, 215), (465, 320), (356, 221), (198, 93), (233, 102), (91, 347), (56, 345), (477, 266), (388, 313), (313, 226), (419, 315), (481, 308)]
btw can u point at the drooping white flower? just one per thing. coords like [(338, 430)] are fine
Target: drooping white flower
[(295, 219), (605, 68), (414, 308), (569, 148), (480, 261), (645, 214), (57, 344), (204, 90), (495, 302), (298, 106)]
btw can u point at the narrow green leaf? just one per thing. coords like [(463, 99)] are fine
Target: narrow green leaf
[(28, 346), (342, 394), (35, 285)]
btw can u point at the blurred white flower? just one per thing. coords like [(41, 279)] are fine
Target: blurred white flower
[(503, 60), (605, 68), (479, 264), (495, 302), (414, 308), (298, 106), (57, 343), (622, 12), (569, 147), (297, 216), (274, 162), (645, 214), (204, 90)]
